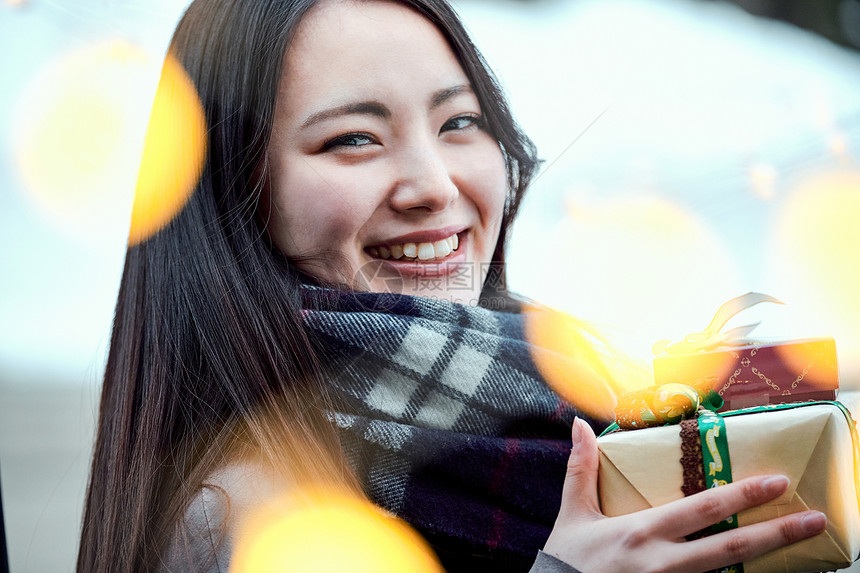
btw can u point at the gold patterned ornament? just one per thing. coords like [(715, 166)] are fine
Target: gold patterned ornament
[(659, 405)]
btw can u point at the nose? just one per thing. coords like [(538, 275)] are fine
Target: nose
[(423, 180)]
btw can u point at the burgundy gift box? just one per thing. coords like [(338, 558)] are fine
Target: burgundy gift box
[(759, 373)]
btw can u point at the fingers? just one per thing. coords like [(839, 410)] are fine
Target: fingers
[(751, 541), (688, 515), (579, 495)]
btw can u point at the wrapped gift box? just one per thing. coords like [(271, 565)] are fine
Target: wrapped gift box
[(813, 444), (756, 374)]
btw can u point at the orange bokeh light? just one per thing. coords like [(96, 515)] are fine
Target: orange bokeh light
[(820, 240), (577, 364), (173, 153), (814, 253), (328, 530)]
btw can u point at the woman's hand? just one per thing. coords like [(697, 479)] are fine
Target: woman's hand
[(653, 539)]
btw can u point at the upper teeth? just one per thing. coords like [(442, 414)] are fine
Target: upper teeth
[(420, 251)]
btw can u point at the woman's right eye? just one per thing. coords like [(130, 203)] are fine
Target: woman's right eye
[(349, 141)]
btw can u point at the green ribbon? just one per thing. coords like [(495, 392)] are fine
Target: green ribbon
[(715, 450), (718, 467)]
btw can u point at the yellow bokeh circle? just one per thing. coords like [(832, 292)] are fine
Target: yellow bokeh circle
[(576, 363), (329, 531), (819, 239), (173, 153), (76, 132), (72, 143)]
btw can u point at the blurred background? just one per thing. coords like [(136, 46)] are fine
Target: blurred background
[(694, 150)]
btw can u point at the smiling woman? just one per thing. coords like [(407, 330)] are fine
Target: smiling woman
[(394, 163), (258, 370)]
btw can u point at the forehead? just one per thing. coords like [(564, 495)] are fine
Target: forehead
[(366, 45)]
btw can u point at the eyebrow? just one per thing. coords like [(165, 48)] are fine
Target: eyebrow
[(444, 95), (377, 109), (357, 108)]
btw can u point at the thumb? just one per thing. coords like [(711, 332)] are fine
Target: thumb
[(579, 495)]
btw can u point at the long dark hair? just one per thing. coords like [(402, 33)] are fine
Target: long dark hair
[(208, 356)]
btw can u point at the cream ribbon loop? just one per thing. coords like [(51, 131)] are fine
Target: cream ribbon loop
[(711, 337)]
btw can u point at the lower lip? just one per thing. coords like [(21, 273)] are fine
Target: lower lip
[(432, 268)]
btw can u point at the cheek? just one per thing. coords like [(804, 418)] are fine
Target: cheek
[(310, 213), (490, 183)]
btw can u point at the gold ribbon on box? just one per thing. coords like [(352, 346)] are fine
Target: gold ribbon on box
[(673, 402), (662, 404), (712, 337)]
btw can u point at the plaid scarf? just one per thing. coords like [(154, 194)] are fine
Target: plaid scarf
[(447, 421)]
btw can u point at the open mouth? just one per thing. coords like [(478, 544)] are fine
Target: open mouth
[(435, 251)]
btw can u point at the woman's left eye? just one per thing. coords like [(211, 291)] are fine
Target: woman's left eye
[(462, 122), (349, 141)]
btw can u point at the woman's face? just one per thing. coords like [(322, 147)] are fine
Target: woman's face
[(380, 163)]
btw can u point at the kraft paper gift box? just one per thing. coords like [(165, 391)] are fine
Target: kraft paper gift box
[(756, 374), (813, 444)]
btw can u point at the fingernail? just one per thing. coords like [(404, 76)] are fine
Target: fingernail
[(775, 485), (814, 522), (576, 434)]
